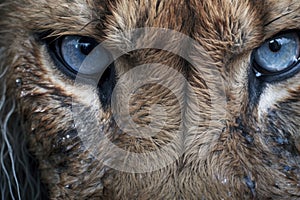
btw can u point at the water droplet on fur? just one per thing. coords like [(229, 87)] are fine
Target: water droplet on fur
[(82, 131), (39, 109), (224, 181), (67, 136), (19, 82), (101, 129), (258, 74), (32, 129), (34, 125), (68, 186), (23, 94)]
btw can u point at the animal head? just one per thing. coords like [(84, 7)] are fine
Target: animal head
[(150, 99)]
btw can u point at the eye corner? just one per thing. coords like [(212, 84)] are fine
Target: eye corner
[(52, 43), (55, 55)]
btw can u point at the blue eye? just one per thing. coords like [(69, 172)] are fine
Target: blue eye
[(277, 55), (72, 52)]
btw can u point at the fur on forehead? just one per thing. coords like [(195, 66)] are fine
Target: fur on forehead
[(56, 17), (201, 20)]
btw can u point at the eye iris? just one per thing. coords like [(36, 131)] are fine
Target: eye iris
[(274, 46), (74, 50)]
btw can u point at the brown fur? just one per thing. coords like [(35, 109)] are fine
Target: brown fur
[(230, 155)]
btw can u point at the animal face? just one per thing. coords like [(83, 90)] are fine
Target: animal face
[(150, 99)]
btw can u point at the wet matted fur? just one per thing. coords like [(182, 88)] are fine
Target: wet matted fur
[(252, 151)]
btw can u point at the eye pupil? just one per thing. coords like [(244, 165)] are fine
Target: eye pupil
[(86, 46), (274, 46), (85, 49)]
